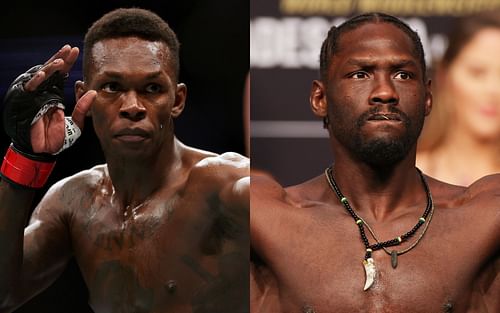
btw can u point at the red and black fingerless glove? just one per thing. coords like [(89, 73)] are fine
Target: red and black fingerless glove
[(21, 166)]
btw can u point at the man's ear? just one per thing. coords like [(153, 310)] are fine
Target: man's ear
[(428, 98), (180, 100), (80, 90), (317, 99)]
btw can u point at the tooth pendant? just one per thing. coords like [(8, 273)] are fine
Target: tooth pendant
[(394, 258), (370, 272)]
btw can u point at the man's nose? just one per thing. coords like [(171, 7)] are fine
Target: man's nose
[(384, 91), (131, 107)]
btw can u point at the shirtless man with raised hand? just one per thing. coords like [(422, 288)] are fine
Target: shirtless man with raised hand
[(373, 234), (162, 227)]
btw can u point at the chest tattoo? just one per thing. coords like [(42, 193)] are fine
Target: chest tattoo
[(115, 286)]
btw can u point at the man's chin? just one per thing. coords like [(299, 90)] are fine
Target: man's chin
[(382, 152), (129, 153)]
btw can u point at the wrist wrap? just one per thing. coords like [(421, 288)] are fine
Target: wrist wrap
[(24, 171)]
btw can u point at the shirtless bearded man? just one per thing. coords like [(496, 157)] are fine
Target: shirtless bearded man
[(373, 234)]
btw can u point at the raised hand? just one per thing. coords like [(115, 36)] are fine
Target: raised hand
[(34, 119), (48, 132)]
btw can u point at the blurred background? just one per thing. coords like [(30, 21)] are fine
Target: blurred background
[(214, 65), (287, 140)]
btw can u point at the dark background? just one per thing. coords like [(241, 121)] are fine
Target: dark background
[(214, 55)]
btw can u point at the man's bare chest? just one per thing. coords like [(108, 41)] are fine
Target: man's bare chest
[(151, 257), (318, 268)]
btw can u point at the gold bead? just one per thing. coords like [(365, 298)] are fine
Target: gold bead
[(399, 239), (422, 219), (369, 250), (359, 221), (343, 200)]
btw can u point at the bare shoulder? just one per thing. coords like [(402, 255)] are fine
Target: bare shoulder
[(69, 195), (81, 181), (272, 204), (225, 176), (266, 188), (484, 190), (268, 200), (279, 213), (72, 191), (445, 195), (225, 167), (488, 186), (485, 194), (268, 203), (478, 204), (227, 160)]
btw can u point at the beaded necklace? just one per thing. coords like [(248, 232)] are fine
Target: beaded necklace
[(368, 262)]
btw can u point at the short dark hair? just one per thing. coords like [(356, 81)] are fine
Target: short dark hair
[(131, 22), (330, 45)]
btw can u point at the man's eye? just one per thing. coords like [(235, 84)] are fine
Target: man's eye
[(110, 87), (153, 88), (359, 75), (403, 75)]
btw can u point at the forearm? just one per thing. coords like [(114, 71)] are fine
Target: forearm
[(34, 120), (14, 210)]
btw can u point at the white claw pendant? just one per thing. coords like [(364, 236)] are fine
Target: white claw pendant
[(370, 272)]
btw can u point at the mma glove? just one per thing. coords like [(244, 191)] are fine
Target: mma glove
[(21, 166)]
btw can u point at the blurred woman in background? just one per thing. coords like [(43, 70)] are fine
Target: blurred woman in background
[(460, 142)]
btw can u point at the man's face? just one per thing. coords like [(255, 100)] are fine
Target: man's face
[(376, 95), (137, 95)]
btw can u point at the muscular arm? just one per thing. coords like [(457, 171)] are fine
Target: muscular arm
[(235, 201), (227, 290), (14, 210), (235, 193), (30, 263), (485, 196), (265, 193)]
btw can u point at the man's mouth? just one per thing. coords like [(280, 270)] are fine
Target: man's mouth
[(132, 135), (384, 117)]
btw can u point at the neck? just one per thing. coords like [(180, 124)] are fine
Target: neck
[(136, 180), (379, 191)]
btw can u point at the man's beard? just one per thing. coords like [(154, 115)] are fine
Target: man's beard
[(380, 151)]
